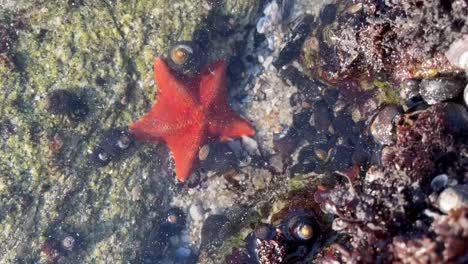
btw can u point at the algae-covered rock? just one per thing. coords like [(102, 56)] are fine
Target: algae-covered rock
[(50, 187)]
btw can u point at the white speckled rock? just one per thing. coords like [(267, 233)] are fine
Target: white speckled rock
[(250, 145), (196, 212), (441, 89), (453, 198), (271, 111), (465, 95), (458, 53)]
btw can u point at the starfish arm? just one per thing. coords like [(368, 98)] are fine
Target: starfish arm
[(162, 120), (213, 85), (170, 89), (175, 108), (185, 146), (228, 124), (224, 122)]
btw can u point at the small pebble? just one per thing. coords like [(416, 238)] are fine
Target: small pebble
[(409, 89), (203, 152), (250, 145), (458, 52), (124, 141), (382, 127), (276, 162), (136, 193), (439, 182), (453, 198), (103, 156), (441, 89), (265, 231), (456, 118), (196, 212), (183, 252)]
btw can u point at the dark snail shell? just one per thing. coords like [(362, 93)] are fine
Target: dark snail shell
[(299, 226), (185, 57)]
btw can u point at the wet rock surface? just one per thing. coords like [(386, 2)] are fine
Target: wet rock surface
[(360, 152), (71, 73), (442, 89)]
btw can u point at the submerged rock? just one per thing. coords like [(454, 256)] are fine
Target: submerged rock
[(458, 53), (439, 182), (453, 198), (383, 126), (441, 89), (107, 47)]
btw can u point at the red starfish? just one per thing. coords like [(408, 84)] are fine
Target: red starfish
[(189, 112)]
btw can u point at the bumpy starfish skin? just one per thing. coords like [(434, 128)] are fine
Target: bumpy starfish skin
[(190, 112)]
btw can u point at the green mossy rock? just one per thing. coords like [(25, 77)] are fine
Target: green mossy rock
[(103, 51)]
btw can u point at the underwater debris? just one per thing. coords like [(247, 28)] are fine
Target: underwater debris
[(113, 146)]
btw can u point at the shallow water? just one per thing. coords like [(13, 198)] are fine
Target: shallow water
[(268, 136)]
